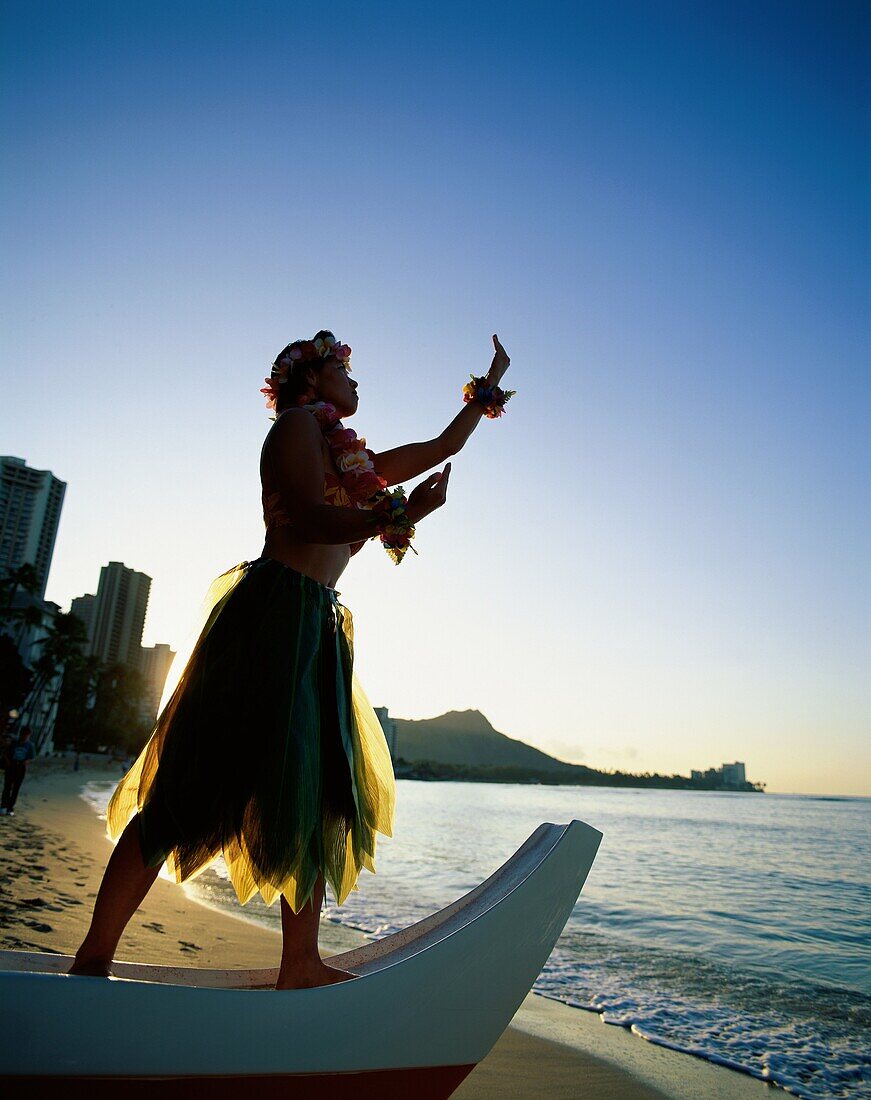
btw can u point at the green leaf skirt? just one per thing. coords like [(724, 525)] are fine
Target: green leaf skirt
[(268, 751)]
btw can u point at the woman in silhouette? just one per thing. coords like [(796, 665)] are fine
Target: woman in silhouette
[(268, 751)]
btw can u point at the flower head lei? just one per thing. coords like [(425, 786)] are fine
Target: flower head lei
[(361, 484), (302, 351)]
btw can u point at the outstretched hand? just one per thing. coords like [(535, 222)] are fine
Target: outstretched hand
[(499, 365), (429, 495)]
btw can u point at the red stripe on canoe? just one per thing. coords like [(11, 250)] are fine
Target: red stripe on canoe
[(423, 1083)]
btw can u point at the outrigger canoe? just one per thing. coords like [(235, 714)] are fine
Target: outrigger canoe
[(428, 1004)]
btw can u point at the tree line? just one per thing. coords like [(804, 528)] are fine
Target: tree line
[(571, 775), (99, 705)]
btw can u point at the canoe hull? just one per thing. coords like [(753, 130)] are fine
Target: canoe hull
[(427, 1003)]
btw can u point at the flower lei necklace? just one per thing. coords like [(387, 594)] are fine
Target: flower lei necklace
[(362, 482), (363, 485), (353, 458)]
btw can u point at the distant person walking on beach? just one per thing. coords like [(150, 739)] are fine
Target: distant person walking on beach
[(18, 754), (268, 751)]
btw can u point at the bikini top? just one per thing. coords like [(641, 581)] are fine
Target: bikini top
[(275, 514)]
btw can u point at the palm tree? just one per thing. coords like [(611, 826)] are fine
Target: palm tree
[(64, 641), (24, 577), (117, 716), (75, 714), (15, 680), (27, 618)]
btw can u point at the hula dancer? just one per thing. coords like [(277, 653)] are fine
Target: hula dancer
[(268, 751)]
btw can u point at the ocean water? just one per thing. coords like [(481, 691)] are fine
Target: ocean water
[(734, 927)]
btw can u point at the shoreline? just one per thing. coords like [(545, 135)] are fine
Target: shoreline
[(55, 849)]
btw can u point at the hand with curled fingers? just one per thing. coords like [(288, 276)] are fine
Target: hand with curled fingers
[(430, 494)]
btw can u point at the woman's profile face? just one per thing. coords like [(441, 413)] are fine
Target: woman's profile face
[(336, 386)]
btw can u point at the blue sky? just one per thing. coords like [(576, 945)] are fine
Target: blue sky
[(658, 558)]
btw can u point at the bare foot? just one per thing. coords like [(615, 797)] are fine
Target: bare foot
[(309, 976), (92, 968)]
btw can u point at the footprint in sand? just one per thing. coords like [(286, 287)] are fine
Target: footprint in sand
[(15, 944), (189, 948), (153, 926), (39, 903), (38, 927)]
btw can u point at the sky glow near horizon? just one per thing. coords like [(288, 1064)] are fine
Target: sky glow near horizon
[(658, 559)]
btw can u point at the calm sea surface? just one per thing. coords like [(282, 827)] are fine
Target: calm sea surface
[(734, 927)]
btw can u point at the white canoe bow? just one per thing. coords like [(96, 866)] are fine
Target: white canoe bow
[(428, 1003)]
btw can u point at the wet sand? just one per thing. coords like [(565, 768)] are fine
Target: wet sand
[(53, 854)]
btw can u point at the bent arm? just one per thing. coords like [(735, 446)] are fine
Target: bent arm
[(411, 459), (296, 463), (332, 525)]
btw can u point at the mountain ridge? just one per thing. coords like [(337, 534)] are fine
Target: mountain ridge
[(467, 737), (462, 745)]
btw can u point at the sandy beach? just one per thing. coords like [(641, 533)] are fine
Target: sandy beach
[(54, 851)]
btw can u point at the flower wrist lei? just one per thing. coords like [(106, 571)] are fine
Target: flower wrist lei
[(394, 527), (492, 399), (363, 486)]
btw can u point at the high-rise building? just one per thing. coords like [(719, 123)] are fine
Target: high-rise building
[(30, 504), (389, 727), (118, 614), (734, 775), (84, 608), (155, 662)]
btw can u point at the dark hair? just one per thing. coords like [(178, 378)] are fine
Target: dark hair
[(296, 383)]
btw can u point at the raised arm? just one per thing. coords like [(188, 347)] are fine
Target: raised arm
[(293, 456), (411, 459)]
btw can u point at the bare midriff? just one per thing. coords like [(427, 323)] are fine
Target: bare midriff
[(323, 563)]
